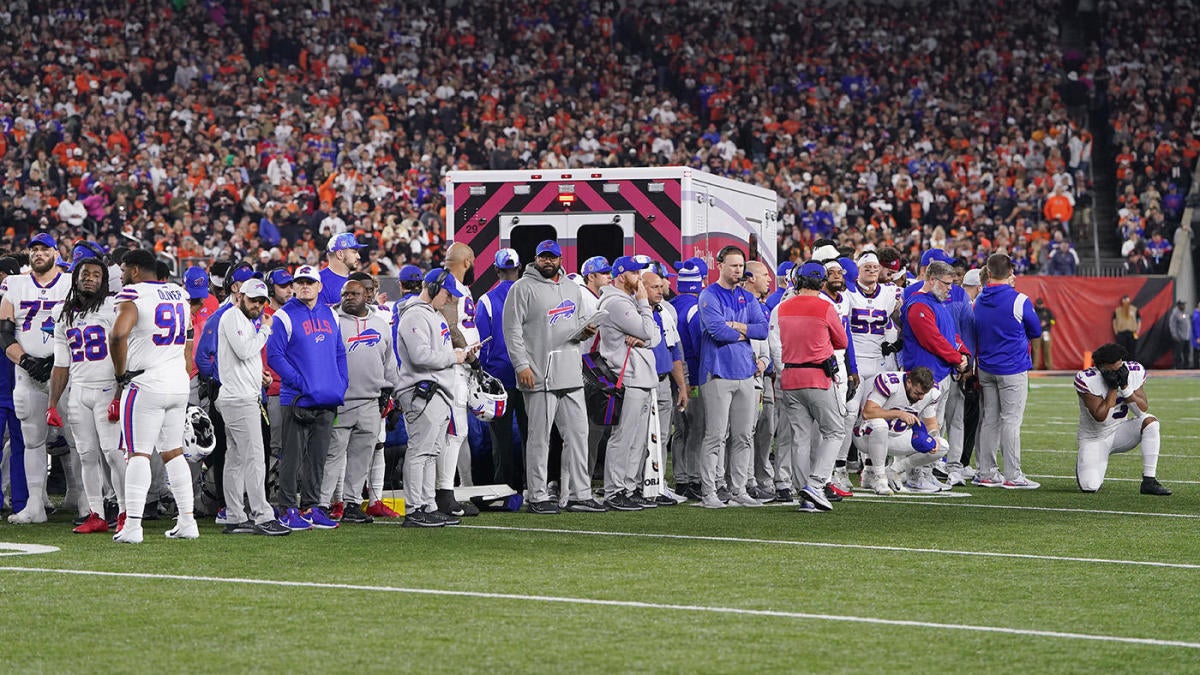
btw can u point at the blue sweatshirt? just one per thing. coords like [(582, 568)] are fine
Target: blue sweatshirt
[(964, 318), (774, 299), (1005, 322), (306, 349), (8, 379), (331, 287), (724, 353), (395, 324), (489, 321), (206, 346), (689, 333)]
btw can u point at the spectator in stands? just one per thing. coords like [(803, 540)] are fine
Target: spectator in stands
[(1064, 261), (1136, 264), (1158, 253)]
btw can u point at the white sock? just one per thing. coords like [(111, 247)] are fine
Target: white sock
[(115, 460), (93, 480), (179, 479), (1150, 444), (375, 482), (137, 484)]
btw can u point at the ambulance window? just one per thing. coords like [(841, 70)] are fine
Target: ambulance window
[(606, 239), (753, 246), (525, 239)]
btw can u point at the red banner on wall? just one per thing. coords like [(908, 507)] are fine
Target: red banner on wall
[(1083, 311)]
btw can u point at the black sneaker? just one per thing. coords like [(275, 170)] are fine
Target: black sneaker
[(245, 527), (1151, 486), (641, 501), (724, 495), (423, 518), (469, 509), (761, 495), (663, 500), (546, 508), (783, 495), (111, 512), (353, 513), (271, 528), (585, 506), (690, 490), (621, 502), (445, 519), (447, 505), (831, 495)]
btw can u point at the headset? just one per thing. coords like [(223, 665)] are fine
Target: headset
[(728, 250), (434, 287), (245, 264)]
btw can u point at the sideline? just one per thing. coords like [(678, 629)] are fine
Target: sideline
[(624, 603), (886, 500)]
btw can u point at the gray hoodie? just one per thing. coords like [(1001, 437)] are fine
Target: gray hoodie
[(370, 363), (423, 347), (540, 317), (627, 316)]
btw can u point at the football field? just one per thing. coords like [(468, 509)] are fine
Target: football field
[(1004, 581)]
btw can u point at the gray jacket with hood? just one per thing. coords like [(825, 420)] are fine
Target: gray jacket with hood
[(628, 316), (540, 317)]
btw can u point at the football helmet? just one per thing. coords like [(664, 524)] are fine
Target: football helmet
[(199, 435), (486, 397)]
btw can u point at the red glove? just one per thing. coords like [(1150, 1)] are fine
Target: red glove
[(387, 408), (114, 410), (53, 418)]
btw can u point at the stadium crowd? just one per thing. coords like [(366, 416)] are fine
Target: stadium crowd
[(220, 131)]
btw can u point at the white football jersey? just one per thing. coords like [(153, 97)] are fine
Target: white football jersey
[(34, 309), (1091, 382), (888, 391), (158, 339), (870, 321), (82, 345), (842, 305), (466, 317)]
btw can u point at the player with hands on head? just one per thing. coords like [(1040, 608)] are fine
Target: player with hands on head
[(899, 418)]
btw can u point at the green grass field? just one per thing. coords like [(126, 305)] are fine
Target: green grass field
[(1044, 581)]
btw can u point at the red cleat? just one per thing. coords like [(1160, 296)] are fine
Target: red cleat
[(337, 510), (839, 491), (120, 521), (380, 510), (94, 523)]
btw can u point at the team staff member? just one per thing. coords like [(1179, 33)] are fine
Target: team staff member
[(541, 317), (425, 381), (805, 330), (1113, 418), (279, 284), (762, 484), (1005, 323), (596, 274), (628, 335), (689, 422), (240, 340), (730, 316), (343, 258), (151, 346), (668, 364), (371, 370), (305, 349), (39, 294), (460, 315), (507, 455)]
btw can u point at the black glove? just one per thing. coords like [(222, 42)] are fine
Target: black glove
[(1111, 378), (851, 390), (385, 395), (1122, 376), (393, 419), (890, 348), (38, 368)]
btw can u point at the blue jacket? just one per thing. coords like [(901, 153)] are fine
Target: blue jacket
[(689, 333), (8, 380), (331, 287), (964, 318), (1196, 328), (1005, 322), (914, 354), (664, 356), (489, 321), (306, 349), (774, 299), (723, 351), (206, 346)]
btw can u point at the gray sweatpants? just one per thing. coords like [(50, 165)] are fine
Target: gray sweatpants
[(764, 436), (666, 410), (1000, 413), (245, 461), (730, 408), (303, 462), (427, 423), (784, 443), (686, 442), (351, 449), (955, 407), (809, 412), (624, 458), (565, 409)]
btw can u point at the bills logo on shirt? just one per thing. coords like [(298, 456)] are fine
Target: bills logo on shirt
[(564, 310), (445, 333), (368, 338)]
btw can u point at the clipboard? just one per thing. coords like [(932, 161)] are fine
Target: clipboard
[(593, 320)]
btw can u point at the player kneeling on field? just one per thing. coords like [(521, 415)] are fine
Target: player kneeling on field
[(899, 418), (1113, 418)]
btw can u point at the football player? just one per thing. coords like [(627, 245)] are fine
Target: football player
[(898, 419), (1114, 417)]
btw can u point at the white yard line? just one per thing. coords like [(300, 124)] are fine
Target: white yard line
[(823, 544), (1075, 452), (633, 604), (1109, 478)]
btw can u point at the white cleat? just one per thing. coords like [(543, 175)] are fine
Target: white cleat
[(129, 534), (28, 516), (182, 530), (879, 485), (743, 499)]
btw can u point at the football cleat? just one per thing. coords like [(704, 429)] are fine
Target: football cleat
[(184, 530), (337, 510), (1021, 483), (816, 495), (378, 509), (841, 481), (92, 524), (320, 519), (1151, 486), (131, 533), (28, 515)]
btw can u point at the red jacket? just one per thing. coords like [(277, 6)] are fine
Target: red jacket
[(809, 331)]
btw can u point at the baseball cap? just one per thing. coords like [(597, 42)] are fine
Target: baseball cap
[(410, 273), (9, 265), (628, 264), (344, 241), (784, 268), (242, 273), (507, 259), (971, 278), (595, 265), (549, 246), (255, 288), (450, 284), (921, 440), (812, 270), (307, 272), (279, 277), (195, 280), (935, 254), (42, 238), (61, 262)]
